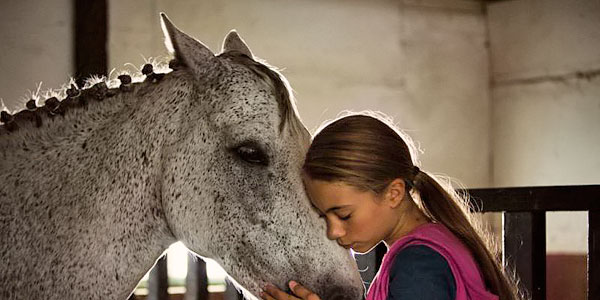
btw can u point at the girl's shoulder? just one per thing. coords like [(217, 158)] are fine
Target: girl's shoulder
[(440, 240), (415, 257), (419, 269)]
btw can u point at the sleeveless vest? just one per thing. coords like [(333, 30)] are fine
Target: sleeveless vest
[(468, 278)]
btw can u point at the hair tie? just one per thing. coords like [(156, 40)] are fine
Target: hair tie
[(416, 171), (411, 182)]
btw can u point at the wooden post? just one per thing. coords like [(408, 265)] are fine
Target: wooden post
[(196, 282), (525, 250), (90, 29), (159, 281)]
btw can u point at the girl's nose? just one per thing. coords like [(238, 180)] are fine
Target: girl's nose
[(335, 230)]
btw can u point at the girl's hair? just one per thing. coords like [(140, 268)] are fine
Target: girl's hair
[(366, 151)]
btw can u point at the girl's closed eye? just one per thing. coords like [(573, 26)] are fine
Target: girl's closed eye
[(346, 217)]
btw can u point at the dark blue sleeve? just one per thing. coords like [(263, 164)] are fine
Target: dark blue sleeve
[(419, 272)]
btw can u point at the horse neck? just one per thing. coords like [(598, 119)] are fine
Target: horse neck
[(98, 167), (146, 111)]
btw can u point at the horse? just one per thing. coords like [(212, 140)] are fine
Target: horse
[(95, 187)]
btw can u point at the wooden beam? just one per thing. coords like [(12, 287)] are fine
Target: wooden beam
[(90, 42), (196, 281), (525, 250), (158, 282), (541, 198)]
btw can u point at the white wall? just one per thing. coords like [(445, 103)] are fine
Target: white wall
[(35, 43), (426, 66), (546, 118)]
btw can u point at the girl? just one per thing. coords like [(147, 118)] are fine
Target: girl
[(360, 175)]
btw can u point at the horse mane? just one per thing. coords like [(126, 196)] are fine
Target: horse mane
[(99, 88), (95, 88), (280, 86)]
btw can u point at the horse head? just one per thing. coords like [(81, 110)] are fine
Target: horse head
[(231, 183)]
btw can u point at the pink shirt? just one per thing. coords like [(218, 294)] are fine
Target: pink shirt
[(468, 279)]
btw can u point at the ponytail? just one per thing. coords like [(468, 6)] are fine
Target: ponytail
[(442, 204)]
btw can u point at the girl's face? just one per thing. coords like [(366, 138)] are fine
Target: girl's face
[(355, 219)]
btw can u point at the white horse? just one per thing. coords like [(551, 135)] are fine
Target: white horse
[(95, 187)]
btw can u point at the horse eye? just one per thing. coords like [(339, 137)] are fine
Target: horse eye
[(252, 155)]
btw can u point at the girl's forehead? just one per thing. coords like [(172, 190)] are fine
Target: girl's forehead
[(327, 187), (326, 193)]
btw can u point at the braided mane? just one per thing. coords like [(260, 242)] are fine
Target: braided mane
[(78, 98), (99, 89)]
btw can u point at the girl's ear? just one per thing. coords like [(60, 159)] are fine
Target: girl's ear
[(395, 193)]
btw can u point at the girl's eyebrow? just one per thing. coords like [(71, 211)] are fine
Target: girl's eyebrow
[(330, 209), (336, 208)]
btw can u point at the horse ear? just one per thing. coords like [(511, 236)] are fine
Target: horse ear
[(233, 41), (186, 49)]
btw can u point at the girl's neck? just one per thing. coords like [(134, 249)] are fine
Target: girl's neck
[(409, 218)]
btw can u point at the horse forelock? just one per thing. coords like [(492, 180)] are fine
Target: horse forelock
[(286, 101)]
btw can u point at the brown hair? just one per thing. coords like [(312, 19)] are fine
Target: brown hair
[(368, 153)]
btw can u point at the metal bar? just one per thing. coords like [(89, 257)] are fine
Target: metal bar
[(90, 27), (525, 250), (196, 282), (593, 254), (158, 280), (541, 198)]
